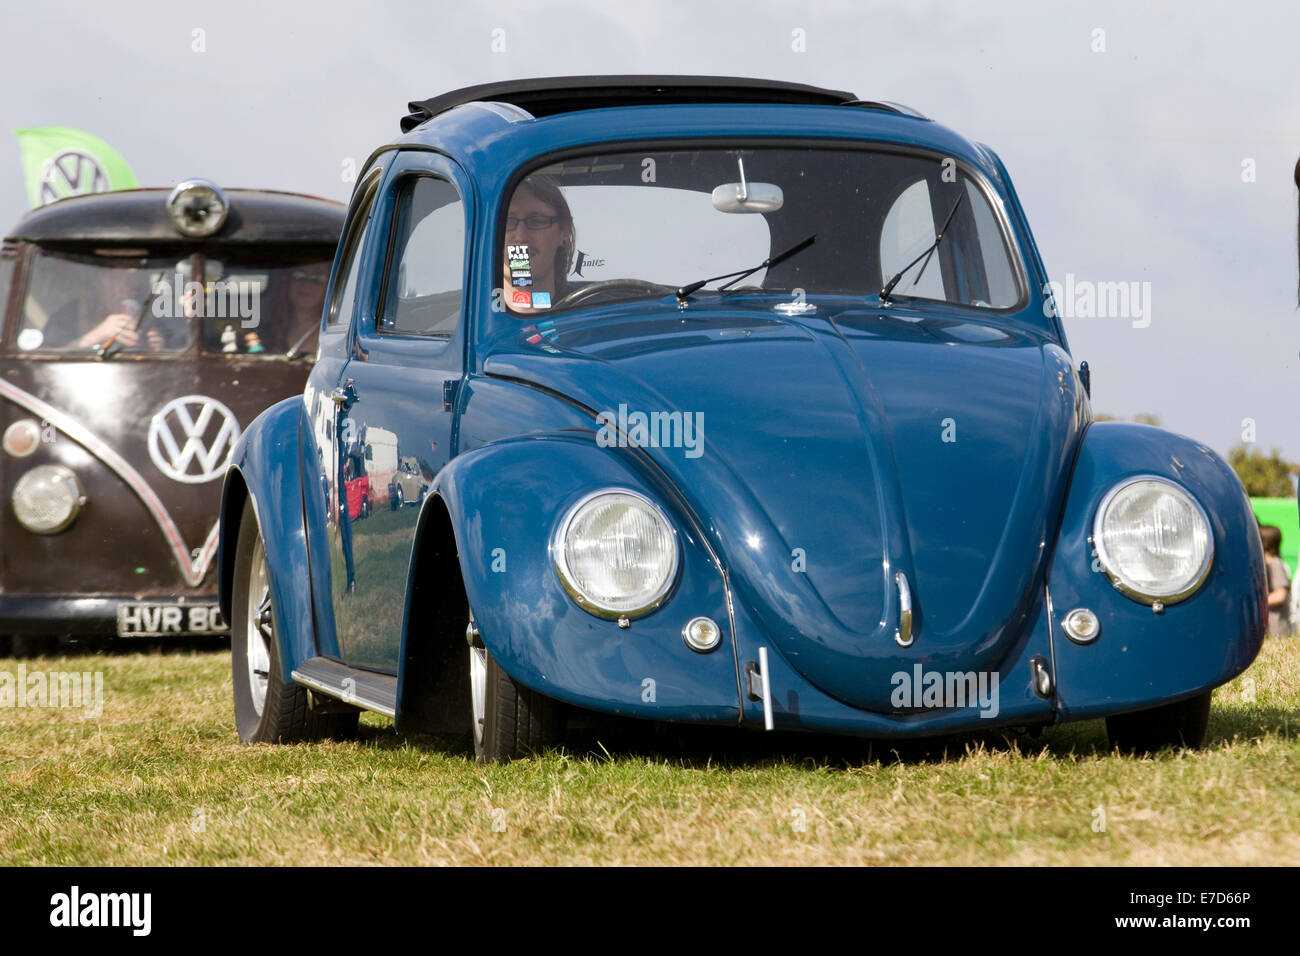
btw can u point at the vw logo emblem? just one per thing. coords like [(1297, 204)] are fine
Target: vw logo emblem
[(191, 437), (71, 173)]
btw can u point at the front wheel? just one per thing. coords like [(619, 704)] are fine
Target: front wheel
[(508, 719), (1180, 724), (267, 708)]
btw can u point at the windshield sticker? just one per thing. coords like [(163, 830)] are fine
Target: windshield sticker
[(541, 300), (521, 271), (29, 339), (585, 261), (520, 297)]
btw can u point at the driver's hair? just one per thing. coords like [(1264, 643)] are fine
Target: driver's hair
[(547, 188)]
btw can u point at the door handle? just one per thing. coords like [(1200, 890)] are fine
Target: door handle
[(345, 395), (903, 636)]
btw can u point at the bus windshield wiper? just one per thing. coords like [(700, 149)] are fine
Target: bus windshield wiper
[(290, 355), (889, 286), (689, 290), (107, 349)]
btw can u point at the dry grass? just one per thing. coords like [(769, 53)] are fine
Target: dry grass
[(161, 778)]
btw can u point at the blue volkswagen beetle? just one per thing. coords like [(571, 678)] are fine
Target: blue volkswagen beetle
[(732, 402)]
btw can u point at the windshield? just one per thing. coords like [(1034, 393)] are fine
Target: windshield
[(620, 226), (250, 302)]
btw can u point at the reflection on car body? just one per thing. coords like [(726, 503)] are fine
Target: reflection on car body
[(856, 486)]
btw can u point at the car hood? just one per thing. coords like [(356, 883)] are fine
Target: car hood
[(837, 452)]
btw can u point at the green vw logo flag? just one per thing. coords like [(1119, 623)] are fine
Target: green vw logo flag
[(60, 162)]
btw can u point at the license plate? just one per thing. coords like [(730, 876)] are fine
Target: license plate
[(161, 620)]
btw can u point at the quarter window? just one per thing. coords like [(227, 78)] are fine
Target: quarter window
[(343, 302)]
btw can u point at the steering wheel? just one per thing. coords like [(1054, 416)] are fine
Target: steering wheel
[(609, 285)]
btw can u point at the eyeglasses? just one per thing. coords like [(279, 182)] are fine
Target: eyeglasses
[(535, 222)]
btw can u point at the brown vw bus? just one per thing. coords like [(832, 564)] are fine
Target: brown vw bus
[(140, 332)]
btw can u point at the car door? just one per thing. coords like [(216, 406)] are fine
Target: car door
[(395, 394), (325, 433)]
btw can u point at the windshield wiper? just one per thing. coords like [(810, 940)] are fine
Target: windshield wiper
[(293, 349), (889, 286), (688, 290), (107, 351)]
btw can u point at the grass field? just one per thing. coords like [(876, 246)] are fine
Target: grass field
[(161, 778)]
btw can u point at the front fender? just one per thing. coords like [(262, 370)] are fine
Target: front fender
[(264, 468), (1140, 658), (504, 501)]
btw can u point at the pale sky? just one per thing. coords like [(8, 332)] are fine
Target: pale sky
[(1130, 160)]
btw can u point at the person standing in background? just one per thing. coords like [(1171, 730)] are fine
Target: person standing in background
[(1279, 583)]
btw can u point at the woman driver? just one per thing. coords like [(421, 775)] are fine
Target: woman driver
[(539, 218)]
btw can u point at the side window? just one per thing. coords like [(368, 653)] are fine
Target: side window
[(908, 230), (8, 261), (343, 300), (423, 286), (998, 273)]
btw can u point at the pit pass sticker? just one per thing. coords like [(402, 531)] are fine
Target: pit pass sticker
[(521, 270)]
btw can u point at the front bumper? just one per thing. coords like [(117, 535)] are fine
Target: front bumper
[(98, 615)]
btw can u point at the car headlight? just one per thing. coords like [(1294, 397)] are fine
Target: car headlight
[(616, 554), (47, 499), (197, 207), (1153, 539)]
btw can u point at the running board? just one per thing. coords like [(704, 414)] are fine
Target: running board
[(365, 689)]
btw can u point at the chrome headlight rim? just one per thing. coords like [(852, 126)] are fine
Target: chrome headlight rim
[(560, 563), (212, 222), (1128, 588), (64, 473)]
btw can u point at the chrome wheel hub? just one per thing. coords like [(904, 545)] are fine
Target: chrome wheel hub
[(259, 630), (477, 681)]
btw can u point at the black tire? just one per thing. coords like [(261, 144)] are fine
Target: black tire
[(364, 510), (401, 499), (286, 715), (1181, 724), (517, 721)]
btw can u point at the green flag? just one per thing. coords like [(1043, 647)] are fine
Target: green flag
[(1281, 512), (60, 162)]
